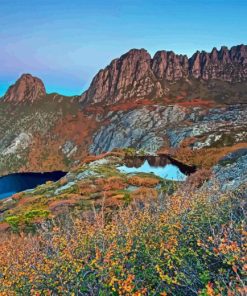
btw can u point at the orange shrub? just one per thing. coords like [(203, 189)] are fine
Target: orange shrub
[(54, 205), (143, 181), (143, 193), (111, 183)]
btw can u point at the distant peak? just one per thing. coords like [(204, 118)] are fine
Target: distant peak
[(26, 89)]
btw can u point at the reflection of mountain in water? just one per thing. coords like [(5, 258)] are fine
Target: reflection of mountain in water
[(161, 160)]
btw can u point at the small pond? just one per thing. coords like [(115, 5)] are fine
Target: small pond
[(161, 165), (15, 183), (169, 172)]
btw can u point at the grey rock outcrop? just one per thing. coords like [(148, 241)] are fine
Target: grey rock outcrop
[(231, 171), (170, 126), (140, 128)]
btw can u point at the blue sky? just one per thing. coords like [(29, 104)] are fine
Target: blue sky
[(66, 42)]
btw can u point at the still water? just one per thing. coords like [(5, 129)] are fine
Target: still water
[(169, 171), (14, 183)]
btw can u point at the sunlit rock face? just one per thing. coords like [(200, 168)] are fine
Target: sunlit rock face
[(137, 75), (26, 89)]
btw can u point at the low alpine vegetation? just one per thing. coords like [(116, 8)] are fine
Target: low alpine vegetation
[(182, 244)]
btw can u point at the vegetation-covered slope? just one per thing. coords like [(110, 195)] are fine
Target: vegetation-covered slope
[(186, 243), (49, 134)]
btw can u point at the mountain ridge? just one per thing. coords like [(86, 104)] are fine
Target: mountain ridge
[(137, 75)]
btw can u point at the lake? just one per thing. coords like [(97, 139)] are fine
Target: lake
[(15, 183)]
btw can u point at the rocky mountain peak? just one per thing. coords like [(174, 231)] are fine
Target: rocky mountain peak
[(122, 78), (239, 54), (26, 89), (169, 66), (137, 75)]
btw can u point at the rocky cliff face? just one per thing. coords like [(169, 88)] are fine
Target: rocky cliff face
[(26, 89), (128, 76), (228, 65), (137, 75)]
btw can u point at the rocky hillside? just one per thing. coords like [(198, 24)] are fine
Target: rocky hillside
[(169, 103), (154, 127), (39, 131)]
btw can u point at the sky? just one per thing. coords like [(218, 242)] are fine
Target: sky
[(66, 42)]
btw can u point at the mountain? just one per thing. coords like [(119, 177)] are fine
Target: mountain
[(40, 131), (137, 75), (194, 108), (26, 89)]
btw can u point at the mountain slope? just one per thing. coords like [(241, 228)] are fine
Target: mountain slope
[(41, 133)]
